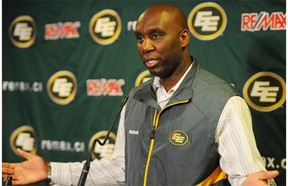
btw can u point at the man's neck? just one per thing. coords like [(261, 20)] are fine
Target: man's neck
[(169, 82), (172, 80)]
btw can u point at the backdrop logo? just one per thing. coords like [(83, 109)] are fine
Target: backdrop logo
[(22, 31), (23, 138), (178, 138), (105, 26), (62, 87), (56, 145), (265, 91), (106, 150), (104, 87), (14, 86), (263, 21), (143, 77), (67, 30), (207, 21)]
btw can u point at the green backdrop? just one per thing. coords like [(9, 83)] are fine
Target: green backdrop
[(67, 64)]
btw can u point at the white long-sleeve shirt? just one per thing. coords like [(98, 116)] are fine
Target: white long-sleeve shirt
[(234, 136)]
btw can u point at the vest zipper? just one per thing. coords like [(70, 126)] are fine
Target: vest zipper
[(152, 136)]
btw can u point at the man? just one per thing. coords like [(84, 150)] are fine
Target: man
[(184, 127)]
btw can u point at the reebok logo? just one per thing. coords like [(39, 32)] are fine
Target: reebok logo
[(134, 132)]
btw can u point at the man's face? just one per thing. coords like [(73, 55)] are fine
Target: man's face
[(159, 43)]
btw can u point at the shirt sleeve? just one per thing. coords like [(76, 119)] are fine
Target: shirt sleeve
[(236, 142), (107, 171)]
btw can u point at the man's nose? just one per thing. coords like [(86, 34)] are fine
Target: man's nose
[(147, 45)]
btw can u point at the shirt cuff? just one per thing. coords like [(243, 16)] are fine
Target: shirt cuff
[(59, 173)]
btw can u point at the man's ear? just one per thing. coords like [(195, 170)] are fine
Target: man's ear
[(185, 37)]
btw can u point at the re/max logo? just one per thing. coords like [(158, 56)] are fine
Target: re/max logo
[(104, 87), (263, 21)]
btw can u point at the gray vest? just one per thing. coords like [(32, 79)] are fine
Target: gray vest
[(176, 145)]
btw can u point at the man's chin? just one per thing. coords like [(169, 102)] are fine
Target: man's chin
[(157, 73), (153, 72)]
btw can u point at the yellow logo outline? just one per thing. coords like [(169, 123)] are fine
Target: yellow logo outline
[(215, 34), (15, 134), (72, 94), (115, 36), (251, 80), (99, 135), (23, 18), (178, 138)]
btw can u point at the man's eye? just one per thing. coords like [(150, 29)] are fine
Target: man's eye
[(155, 36), (140, 39)]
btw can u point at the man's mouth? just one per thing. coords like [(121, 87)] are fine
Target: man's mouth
[(151, 63)]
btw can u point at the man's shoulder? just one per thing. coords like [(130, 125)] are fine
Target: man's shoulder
[(208, 86), (213, 81)]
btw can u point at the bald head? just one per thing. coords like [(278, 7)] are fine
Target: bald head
[(168, 12)]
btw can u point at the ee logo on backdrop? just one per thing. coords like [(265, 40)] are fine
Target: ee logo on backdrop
[(99, 151), (24, 138), (22, 31), (62, 87), (207, 21), (105, 27), (265, 91)]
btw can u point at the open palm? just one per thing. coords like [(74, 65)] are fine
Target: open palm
[(34, 169)]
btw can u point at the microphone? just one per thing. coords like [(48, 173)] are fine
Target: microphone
[(85, 171), (8, 181), (86, 166)]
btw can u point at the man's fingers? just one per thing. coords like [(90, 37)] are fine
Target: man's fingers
[(8, 165), (268, 175), (24, 154), (8, 168), (7, 171)]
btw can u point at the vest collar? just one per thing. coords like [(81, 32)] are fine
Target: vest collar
[(146, 93)]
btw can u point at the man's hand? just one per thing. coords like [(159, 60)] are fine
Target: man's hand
[(33, 170), (260, 178)]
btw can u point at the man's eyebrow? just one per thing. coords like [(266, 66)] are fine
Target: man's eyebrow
[(156, 30), (150, 31), (137, 33)]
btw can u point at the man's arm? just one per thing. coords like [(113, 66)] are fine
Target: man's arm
[(237, 146), (107, 171)]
